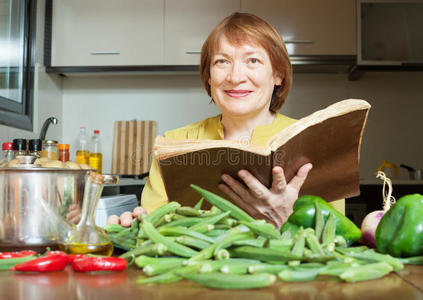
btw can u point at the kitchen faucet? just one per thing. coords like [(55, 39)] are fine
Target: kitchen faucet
[(46, 125)]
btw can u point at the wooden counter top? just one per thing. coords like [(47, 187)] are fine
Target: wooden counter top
[(407, 284)]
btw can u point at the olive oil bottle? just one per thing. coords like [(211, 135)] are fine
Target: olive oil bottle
[(86, 237)]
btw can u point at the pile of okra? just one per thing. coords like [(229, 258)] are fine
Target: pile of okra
[(226, 248)]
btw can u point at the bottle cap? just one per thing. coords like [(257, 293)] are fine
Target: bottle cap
[(63, 146), (19, 144), (50, 142), (7, 146), (96, 131), (34, 145)]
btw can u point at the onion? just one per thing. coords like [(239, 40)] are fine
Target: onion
[(371, 221)]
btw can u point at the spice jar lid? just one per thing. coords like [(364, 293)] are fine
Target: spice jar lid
[(19, 144), (34, 145), (63, 146), (7, 146), (50, 142)]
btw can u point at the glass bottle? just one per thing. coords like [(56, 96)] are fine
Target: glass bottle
[(96, 157), (19, 146), (8, 154), (86, 237), (34, 147), (82, 153), (63, 152)]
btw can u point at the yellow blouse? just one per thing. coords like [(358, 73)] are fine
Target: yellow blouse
[(154, 194)]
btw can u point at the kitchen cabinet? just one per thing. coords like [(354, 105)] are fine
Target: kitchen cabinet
[(324, 27), (106, 32), (187, 25)]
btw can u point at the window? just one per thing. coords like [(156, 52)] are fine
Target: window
[(17, 42)]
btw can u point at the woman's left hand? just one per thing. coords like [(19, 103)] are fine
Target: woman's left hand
[(275, 204)]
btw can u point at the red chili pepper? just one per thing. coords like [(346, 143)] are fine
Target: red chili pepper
[(17, 254), (46, 263), (91, 263), (72, 257)]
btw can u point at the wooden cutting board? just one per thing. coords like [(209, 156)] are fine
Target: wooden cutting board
[(133, 147)]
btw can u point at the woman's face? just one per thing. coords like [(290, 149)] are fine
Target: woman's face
[(242, 79)]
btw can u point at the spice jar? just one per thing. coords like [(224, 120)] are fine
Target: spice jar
[(19, 146), (63, 152), (34, 147), (50, 150)]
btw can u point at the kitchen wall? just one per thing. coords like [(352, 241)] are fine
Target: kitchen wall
[(47, 93), (392, 133)]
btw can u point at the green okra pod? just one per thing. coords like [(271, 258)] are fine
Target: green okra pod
[(319, 221), (152, 249), (372, 256), (170, 276), (113, 228), (192, 242), (155, 269), (223, 204), (221, 254), (266, 268), (265, 254), (178, 231), (329, 232), (172, 246), (314, 244), (155, 216), (143, 260), (210, 220), (263, 229), (231, 281), (413, 260), (366, 272), (298, 275), (188, 211), (259, 242), (199, 204)]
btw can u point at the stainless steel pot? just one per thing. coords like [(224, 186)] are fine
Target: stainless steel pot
[(34, 202)]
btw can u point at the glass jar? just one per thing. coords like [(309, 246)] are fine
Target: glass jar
[(50, 150), (35, 147), (63, 152), (19, 146)]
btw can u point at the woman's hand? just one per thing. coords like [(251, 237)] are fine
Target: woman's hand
[(126, 218), (74, 214), (275, 205)]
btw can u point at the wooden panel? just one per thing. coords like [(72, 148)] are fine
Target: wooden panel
[(330, 25), (187, 25), (133, 147), (107, 32)]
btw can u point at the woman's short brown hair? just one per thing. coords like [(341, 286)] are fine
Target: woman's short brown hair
[(240, 28)]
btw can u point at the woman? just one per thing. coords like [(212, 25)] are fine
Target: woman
[(246, 70)]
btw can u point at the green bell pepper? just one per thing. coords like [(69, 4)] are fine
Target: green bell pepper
[(400, 231), (304, 215)]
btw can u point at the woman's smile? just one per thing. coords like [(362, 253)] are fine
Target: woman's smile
[(238, 93)]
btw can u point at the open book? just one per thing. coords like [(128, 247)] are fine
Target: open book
[(330, 139)]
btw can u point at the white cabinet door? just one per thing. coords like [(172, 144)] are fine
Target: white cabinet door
[(316, 27), (187, 25), (107, 32)]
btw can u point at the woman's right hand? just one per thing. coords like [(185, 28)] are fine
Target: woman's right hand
[(125, 219)]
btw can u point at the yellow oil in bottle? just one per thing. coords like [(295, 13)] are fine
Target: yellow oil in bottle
[(83, 157), (96, 161), (77, 248)]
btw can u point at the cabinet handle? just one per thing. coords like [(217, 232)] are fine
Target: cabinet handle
[(105, 53), (193, 52), (298, 42)]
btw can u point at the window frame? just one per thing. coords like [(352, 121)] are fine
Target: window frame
[(20, 115)]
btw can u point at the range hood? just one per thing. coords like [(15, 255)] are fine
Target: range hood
[(390, 33)]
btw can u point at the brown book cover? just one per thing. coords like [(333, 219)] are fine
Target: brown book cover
[(330, 139)]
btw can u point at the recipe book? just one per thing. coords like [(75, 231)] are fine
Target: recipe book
[(330, 139)]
